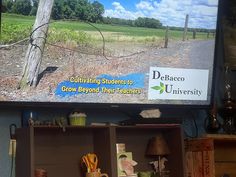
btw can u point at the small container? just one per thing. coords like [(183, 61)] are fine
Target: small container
[(77, 119), (40, 173)]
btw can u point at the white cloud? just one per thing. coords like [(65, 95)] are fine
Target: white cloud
[(120, 12), (206, 2), (204, 10), (202, 13), (144, 5), (212, 2), (118, 6)]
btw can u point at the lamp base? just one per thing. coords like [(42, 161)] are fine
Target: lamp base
[(164, 173)]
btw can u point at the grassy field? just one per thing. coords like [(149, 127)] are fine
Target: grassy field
[(16, 27)]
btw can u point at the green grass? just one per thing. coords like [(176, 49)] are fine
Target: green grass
[(130, 31), (15, 18), (16, 27)]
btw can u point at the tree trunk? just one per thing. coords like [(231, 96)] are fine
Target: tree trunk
[(35, 49)]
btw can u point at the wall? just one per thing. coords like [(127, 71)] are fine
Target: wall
[(7, 117)]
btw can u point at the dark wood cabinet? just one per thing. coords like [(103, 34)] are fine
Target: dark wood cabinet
[(224, 154), (212, 155), (59, 152)]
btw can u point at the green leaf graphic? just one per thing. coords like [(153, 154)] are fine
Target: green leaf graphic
[(161, 84), (161, 91), (161, 87), (156, 88)]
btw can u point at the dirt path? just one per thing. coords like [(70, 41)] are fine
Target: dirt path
[(59, 64)]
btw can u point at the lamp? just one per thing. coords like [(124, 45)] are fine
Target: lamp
[(157, 146)]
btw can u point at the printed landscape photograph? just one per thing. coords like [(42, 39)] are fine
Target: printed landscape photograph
[(99, 51)]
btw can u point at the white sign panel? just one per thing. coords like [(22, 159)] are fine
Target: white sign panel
[(177, 84)]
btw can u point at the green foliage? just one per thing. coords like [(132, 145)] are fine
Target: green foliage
[(118, 21), (22, 7), (14, 32), (139, 22), (147, 22), (77, 9), (71, 4), (67, 12), (15, 27), (97, 11), (124, 30), (80, 32), (7, 6), (14, 18), (67, 35), (57, 12)]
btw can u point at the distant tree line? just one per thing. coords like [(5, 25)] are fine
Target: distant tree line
[(85, 10), (199, 30), (24, 7), (62, 9), (139, 22), (77, 9)]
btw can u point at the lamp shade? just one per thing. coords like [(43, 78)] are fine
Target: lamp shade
[(157, 146)]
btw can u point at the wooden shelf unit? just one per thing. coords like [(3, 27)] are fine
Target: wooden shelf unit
[(220, 157), (60, 152), (224, 154)]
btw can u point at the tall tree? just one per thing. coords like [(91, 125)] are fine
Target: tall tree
[(57, 12), (98, 10), (22, 7), (67, 12), (7, 6), (81, 9), (35, 49)]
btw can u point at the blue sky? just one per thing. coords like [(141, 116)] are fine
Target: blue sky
[(202, 13)]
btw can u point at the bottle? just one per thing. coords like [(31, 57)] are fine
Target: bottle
[(212, 124)]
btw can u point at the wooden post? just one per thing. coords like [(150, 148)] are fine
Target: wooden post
[(194, 34), (185, 28), (35, 49), (166, 37), (208, 34)]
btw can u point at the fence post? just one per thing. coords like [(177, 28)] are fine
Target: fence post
[(166, 37), (34, 53), (185, 28), (194, 34)]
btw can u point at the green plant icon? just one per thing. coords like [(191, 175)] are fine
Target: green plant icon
[(161, 87)]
